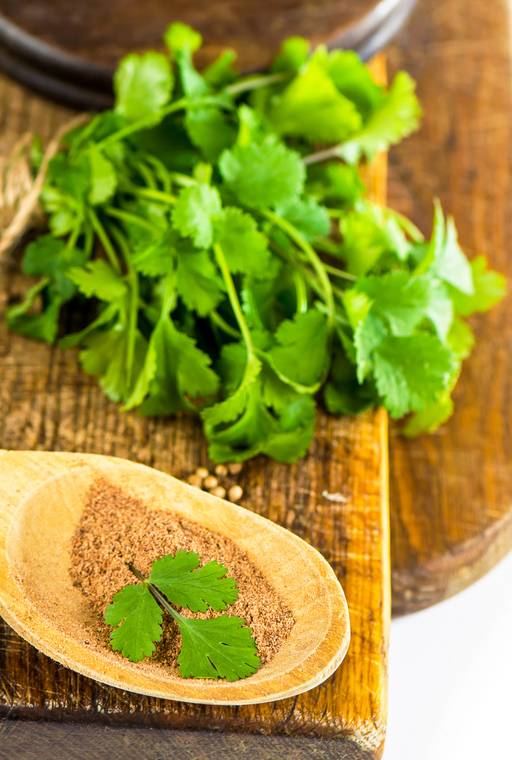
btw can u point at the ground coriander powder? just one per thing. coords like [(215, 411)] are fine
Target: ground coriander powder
[(117, 529)]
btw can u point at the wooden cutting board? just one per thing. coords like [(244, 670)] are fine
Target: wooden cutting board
[(47, 402), (451, 493)]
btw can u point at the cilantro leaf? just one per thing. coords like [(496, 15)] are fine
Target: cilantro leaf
[(292, 55), (182, 42), (181, 579), (354, 80), (175, 372), (411, 372), (263, 175), (210, 131), (98, 279), (307, 216), (138, 619), (198, 282), (398, 299), (244, 247), (143, 85), (194, 211), (221, 647), (311, 106), (113, 356), (301, 356), (103, 177), (489, 288), (397, 116)]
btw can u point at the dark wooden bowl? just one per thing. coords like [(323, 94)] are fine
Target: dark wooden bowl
[(68, 50)]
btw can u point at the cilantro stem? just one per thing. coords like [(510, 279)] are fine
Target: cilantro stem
[(155, 195), (339, 272), (127, 216), (224, 326), (323, 155), (233, 297), (105, 240), (301, 293), (256, 82), (311, 254), (156, 593), (133, 316)]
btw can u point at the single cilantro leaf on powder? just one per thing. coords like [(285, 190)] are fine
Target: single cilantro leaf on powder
[(139, 622), (221, 647), (181, 579)]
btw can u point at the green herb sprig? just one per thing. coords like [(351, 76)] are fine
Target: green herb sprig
[(218, 227), (220, 647)]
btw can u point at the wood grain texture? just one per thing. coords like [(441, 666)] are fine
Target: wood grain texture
[(47, 403), (451, 493)]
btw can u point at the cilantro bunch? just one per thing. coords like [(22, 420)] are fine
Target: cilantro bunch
[(214, 233), (219, 647)]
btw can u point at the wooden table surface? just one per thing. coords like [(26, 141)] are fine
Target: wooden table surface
[(451, 493)]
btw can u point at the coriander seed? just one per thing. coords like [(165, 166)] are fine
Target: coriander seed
[(218, 491), (235, 493)]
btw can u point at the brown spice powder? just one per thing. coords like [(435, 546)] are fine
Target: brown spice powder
[(117, 529)]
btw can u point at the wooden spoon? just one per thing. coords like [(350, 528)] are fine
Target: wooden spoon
[(42, 496)]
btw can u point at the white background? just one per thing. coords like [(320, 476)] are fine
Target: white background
[(450, 676)]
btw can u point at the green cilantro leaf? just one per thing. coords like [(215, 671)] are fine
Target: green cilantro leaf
[(139, 622), (292, 55), (143, 85), (397, 116), (181, 579), (115, 357), (221, 647), (194, 211), (411, 372), (175, 373), (244, 247), (307, 216), (263, 175), (103, 177), (398, 299), (301, 356), (98, 279), (198, 282), (209, 130), (489, 288), (311, 106)]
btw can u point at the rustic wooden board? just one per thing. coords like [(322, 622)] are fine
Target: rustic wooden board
[(451, 493), (46, 402)]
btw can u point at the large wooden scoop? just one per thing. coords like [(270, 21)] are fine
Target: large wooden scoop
[(42, 496)]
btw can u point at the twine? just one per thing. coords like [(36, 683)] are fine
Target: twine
[(19, 190)]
